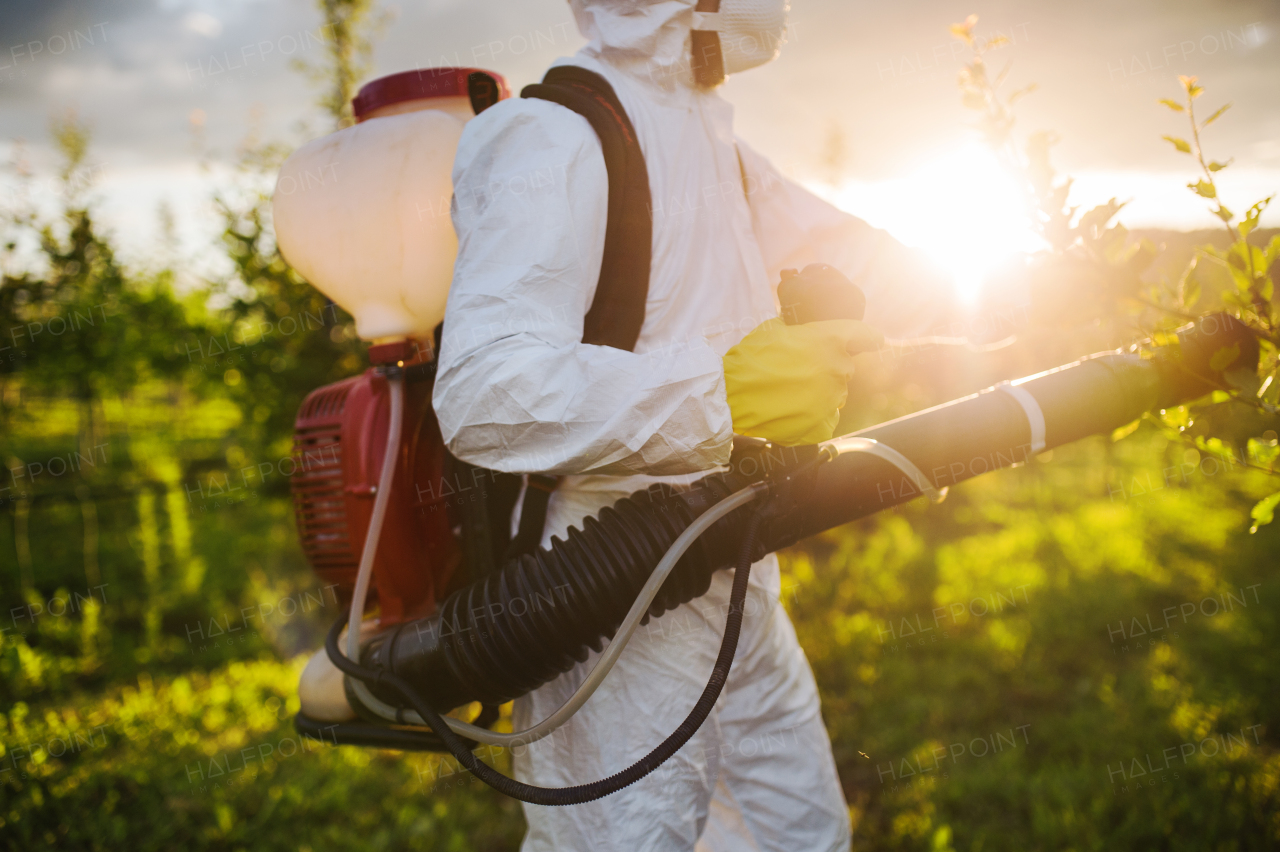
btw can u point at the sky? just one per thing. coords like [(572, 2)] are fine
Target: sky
[(862, 105)]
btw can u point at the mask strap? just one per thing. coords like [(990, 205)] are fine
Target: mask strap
[(708, 61)]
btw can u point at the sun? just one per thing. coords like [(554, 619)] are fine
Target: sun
[(962, 208)]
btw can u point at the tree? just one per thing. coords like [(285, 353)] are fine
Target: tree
[(80, 326), (353, 26), (289, 338)]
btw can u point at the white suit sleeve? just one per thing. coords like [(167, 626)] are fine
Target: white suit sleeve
[(795, 228), (516, 389)]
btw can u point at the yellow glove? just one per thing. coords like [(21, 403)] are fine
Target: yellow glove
[(787, 383)]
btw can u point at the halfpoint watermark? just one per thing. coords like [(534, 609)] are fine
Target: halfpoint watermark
[(917, 631), (58, 606)]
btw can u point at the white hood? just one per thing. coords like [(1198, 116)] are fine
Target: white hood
[(650, 38), (647, 37)]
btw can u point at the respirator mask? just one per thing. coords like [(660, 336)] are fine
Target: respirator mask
[(749, 33)]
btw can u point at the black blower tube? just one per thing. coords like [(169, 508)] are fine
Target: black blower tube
[(957, 440), (520, 627)]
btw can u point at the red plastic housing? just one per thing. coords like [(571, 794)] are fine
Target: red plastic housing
[(485, 88), (339, 439)]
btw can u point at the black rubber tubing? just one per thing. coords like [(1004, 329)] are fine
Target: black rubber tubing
[(365, 734), (379, 735), (581, 793)]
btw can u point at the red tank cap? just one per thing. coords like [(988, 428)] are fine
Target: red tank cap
[(484, 88)]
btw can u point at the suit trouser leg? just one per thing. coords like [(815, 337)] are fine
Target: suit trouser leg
[(763, 743)]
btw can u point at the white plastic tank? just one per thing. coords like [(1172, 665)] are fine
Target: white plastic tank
[(363, 213)]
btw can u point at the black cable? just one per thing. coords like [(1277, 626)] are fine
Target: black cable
[(366, 735), (349, 733), (596, 789)]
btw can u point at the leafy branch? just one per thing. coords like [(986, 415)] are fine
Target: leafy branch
[(1094, 271), (353, 26), (1248, 265), (1087, 250)]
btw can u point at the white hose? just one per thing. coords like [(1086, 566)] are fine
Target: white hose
[(382, 496), (602, 666)]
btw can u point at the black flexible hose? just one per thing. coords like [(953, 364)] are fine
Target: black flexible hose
[(538, 616), (597, 789), (346, 733), (366, 734)]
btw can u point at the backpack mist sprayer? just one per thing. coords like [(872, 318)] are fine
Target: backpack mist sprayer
[(384, 512)]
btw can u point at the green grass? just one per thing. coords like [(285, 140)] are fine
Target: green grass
[(1033, 702), (1014, 604), (211, 761)]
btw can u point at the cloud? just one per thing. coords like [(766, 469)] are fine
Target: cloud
[(24, 20), (885, 74), (202, 23)]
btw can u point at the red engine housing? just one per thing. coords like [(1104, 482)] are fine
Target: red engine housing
[(339, 439)]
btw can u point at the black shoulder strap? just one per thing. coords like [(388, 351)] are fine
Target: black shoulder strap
[(617, 312)]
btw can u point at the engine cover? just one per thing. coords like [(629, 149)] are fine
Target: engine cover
[(338, 444)]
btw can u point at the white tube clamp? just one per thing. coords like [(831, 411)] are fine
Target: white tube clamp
[(873, 447), (1031, 408)]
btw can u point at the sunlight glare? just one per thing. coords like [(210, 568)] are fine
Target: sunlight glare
[(962, 208)]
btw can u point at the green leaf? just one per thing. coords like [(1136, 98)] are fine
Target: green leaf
[(1240, 275), (1272, 250), (1215, 446), (1251, 218), (1224, 214), (1215, 166), (1203, 188), (1211, 119), (1224, 357), (1173, 105), (1095, 221), (1179, 418), (1263, 452), (1232, 299), (1190, 286), (1238, 255), (1125, 431), (964, 31), (1181, 144), (1254, 263), (1264, 512)]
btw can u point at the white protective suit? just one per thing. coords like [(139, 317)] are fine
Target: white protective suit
[(517, 391)]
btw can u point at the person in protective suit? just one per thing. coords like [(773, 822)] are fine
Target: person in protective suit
[(518, 391)]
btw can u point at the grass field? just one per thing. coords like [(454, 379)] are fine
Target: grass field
[(1061, 656)]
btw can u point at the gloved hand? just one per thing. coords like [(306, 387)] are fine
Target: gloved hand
[(787, 383)]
